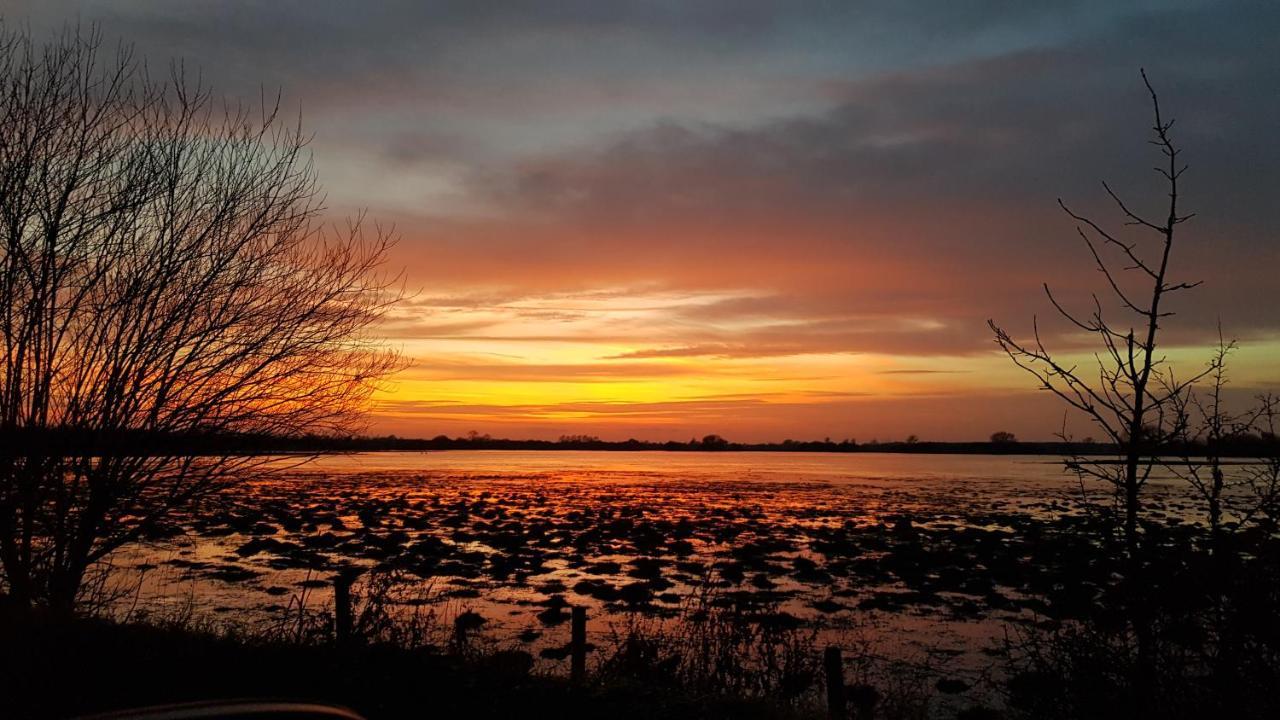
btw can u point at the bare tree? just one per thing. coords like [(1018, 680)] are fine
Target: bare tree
[(1262, 479), (1123, 393), (164, 277), (1202, 426)]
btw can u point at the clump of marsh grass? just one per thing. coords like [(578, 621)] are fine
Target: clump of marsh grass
[(720, 644)]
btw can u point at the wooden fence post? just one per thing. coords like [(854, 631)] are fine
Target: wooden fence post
[(834, 666), (578, 646), (342, 608)]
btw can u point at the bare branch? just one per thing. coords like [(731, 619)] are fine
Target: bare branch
[(163, 275)]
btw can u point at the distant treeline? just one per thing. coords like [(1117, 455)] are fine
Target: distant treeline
[(69, 442), (85, 442), (715, 443), (1245, 446)]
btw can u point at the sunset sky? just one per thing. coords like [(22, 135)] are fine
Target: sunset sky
[(760, 219)]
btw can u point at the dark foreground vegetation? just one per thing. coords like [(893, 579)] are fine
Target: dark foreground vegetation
[(112, 666), (1212, 607), (711, 663)]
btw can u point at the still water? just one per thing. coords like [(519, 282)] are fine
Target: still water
[(920, 555)]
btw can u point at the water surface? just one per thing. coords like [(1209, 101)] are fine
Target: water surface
[(924, 554)]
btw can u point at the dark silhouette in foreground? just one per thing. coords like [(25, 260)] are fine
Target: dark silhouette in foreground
[(1188, 629), (163, 274)]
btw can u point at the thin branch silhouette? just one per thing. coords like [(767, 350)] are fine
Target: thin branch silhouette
[(164, 274)]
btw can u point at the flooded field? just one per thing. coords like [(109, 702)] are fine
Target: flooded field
[(918, 555)]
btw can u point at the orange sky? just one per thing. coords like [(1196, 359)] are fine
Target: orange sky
[(870, 329), (632, 364), (764, 220)]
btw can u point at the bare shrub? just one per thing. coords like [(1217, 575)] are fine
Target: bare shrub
[(166, 285)]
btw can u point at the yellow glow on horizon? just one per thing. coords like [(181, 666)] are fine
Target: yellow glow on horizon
[(615, 364)]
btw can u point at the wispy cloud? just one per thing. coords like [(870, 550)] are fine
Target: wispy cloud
[(647, 210)]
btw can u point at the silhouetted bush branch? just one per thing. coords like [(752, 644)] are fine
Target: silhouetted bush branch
[(163, 274)]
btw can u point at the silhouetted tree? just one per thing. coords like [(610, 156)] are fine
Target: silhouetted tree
[(1125, 394), (714, 442), (1128, 392), (1003, 437), (162, 274), (1239, 494), (1262, 480), (1201, 428)]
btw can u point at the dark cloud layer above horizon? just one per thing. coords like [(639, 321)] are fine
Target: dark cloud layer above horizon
[(776, 179)]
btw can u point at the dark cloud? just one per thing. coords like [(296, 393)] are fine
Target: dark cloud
[(1017, 128), (811, 177), (946, 178)]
